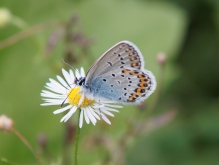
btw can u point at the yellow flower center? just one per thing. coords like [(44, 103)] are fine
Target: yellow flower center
[(74, 97)]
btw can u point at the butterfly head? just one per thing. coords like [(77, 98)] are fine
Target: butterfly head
[(80, 81)]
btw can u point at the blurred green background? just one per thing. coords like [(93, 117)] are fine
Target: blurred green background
[(187, 31)]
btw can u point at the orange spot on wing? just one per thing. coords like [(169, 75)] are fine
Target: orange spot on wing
[(125, 71)]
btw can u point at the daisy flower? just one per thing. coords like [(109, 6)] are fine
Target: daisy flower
[(70, 97)]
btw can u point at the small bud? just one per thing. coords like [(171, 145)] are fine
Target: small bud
[(81, 40), (42, 140), (5, 123), (53, 40), (5, 17), (161, 58), (75, 18), (164, 118)]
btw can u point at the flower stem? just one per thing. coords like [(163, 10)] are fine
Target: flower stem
[(28, 145), (77, 140)]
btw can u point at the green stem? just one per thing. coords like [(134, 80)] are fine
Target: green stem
[(77, 140)]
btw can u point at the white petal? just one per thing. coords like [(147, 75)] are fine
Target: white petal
[(52, 100), (55, 85), (53, 97), (67, 76), (82, 72), (91, 117), (72, 111), (110, 109), (77, 74), (86, 117), (106, 112), (113, 106), (63, 118), (94, 114), (81, 119), (47, 104), (105, 118), (56, 89), (69, 114), (81, 99), (96, 106), (62, 109), (72, 77), (53, 82), (51, 94), (62, 81), (72, 85)]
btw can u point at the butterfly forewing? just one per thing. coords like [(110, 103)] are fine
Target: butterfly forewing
[(123, 54)]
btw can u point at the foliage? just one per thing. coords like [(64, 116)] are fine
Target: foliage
[(36, 38)]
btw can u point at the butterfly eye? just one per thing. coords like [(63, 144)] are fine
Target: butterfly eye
[(80, 81)]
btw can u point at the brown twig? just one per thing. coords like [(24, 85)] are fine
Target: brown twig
[(28, 32), (18, 134)]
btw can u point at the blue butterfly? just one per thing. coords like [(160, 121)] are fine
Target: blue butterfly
[(119, 75)]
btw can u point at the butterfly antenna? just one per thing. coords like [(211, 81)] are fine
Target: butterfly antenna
[(63, 102), (67, 97), (71, 66)]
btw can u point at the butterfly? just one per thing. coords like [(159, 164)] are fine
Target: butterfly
[(119, 75)]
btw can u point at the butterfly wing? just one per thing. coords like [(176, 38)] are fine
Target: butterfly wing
[(119, 75), (117, 56)]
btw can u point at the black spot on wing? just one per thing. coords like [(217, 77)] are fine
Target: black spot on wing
[(110, 63)]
